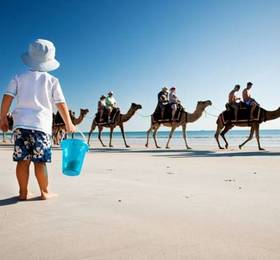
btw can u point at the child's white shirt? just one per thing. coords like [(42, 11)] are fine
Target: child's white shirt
[(35, 94)]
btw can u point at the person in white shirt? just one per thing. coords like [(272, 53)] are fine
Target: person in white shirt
[(111, 103), (35, 92), (173, 101)]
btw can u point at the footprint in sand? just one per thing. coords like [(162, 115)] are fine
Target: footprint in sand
[(229, 180)]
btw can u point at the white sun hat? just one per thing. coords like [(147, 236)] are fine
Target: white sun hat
[(41, 56)]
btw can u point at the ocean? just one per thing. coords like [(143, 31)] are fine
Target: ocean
[(269, 138)]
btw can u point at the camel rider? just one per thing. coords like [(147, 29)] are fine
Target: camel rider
[(111, 103), (232, 100), (248, 100), (101, 107), (162, 100), (173, 101)]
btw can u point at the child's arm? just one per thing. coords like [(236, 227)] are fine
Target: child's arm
[(5, 107), (64, 112)]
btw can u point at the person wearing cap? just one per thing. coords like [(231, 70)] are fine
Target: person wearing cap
[(35, 91), (101, 107), (173, 101), (111, 103), (233, 100), (162, 100), (248, 100)]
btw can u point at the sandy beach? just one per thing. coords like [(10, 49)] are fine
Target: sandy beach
[(147, 204)]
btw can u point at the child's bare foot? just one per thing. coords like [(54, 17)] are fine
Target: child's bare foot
[(22, 195), (47, 195)]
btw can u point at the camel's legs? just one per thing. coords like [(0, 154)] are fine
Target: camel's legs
[(12, 138), (156, 127), (170, 135), (226, 129), (218, 131), (111, 135), (93, 126), (148, 135), (122, 130), (100, 128), (4, 139), (55, 136), (258, 136), (184, 135), (249, 138), (149, 131), (61, 134)]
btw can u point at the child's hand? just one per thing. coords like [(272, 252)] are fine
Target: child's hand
[(4, 124), (71, 128)]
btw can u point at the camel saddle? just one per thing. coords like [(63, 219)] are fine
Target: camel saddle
[(104, 121), (57, 119), (167, 114), (243, 114)]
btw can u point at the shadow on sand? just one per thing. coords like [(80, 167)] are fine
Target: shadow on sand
[(14, 200), (183, 153), (9, 201)]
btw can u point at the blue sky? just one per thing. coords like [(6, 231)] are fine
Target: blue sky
[(135, 47)]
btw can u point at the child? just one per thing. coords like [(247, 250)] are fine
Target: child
[(35, 90)]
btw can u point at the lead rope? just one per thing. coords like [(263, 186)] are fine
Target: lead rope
[(209, 114), (139, 114), (216, 108)]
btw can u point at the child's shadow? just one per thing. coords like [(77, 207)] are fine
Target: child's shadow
[(9, 201), (14, 200)]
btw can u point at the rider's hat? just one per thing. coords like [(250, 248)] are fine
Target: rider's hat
[(172, 88), (102, 97), (110, 93), (165, 89), (249, 84)]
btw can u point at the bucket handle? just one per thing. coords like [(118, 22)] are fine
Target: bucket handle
[(80, 132)]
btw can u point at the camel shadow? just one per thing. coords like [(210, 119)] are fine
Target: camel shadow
[(183, 153), (213, 154), (131, 150)]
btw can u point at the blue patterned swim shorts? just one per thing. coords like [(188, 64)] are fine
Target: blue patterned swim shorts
[(32, 145)]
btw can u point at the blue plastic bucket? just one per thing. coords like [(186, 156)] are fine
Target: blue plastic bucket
[(73, 155)]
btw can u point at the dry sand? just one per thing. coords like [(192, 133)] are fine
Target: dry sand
[(147, 204)]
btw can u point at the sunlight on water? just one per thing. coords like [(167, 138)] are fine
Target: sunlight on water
[(269, 138)]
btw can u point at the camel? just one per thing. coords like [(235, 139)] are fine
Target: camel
[(59, 129), (119, 121), (10, 122), (255, 127), (185, 118)]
